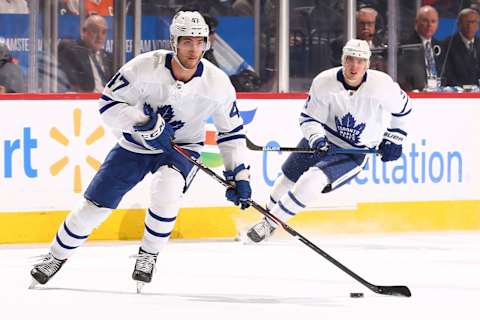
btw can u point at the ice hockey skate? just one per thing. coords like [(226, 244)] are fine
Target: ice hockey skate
[(261, 231), (43, 271), (144, 268)]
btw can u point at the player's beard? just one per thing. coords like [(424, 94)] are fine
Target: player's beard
[(189, 63)]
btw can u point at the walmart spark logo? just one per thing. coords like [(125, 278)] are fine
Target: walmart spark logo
[(58, 136), (210, 155)]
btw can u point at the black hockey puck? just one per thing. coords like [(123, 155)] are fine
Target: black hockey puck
[(356, 295)]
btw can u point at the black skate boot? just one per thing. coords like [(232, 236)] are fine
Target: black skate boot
[(260, 231), (43, 271), (144, 268)]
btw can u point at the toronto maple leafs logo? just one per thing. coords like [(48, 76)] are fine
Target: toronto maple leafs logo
[(167, 114), (348, 129)]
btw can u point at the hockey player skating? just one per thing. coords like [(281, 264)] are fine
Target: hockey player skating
[(156, 98), (348, 106)]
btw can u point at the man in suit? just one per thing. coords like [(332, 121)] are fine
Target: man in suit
[(463, 60), (11, 77), (366, 20), (417, 64), (86, 64), (367, 30)]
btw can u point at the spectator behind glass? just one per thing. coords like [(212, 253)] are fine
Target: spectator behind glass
[(243, 7), (463, 60), (419, 63), (86, 64), (246, 79), (366, 27), (366, 30), (100, 7), (11, 77), (13, 6)]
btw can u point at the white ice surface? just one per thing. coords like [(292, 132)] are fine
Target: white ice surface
[(277, 280)]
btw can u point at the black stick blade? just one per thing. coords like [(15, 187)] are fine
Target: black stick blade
[(252, 146), (399, 291)]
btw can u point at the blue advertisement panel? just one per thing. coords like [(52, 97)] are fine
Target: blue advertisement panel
[(155, 34)]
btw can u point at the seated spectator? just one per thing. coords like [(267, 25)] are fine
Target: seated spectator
[(100, 7), (366, 30), (244, 79), (243, 7), (367, 19), (85, 63), (367, 27), (463, 60), (13, 6), (11, 77), (422, 62)]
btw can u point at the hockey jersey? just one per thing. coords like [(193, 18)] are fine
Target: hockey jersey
[(354, 117), (148, 79)]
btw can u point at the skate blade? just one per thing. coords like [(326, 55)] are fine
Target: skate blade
[(249, 242), (33, 284), (140, 286)]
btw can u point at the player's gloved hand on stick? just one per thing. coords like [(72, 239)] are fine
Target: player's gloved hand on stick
[(391, 146), (240, 191), (156, 132), (320, 143)]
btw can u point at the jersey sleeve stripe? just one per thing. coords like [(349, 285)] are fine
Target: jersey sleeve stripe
[(304, 115), (238, 136), (405, 105), (397, 131), (108, 106), (239, 128), (401, 114), (304, 118), (106, 98), (308, 120)]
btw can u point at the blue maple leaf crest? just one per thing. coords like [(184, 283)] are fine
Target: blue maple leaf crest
[(167, 114), (348, 129)]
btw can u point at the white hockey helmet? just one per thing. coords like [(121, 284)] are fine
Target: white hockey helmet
[(356, 48), (188, 23)]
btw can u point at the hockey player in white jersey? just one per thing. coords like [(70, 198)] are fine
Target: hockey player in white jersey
[(348, 106), (156, 98)]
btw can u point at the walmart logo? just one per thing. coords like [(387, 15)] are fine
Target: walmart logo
[(210, 155), (74, 150), (61, 163)]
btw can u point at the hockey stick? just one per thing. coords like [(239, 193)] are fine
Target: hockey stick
[(254, 147), (401, 291)]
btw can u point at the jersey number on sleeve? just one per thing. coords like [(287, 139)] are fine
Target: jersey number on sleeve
[(118, 81), (234, 111)]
